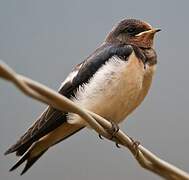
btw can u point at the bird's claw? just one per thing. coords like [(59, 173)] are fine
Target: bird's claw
[(117, 145), (100, 136), (114, 129)]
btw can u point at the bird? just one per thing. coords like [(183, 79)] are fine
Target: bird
[(111, 82)]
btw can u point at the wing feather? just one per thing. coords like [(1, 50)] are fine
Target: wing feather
[(52, 118)]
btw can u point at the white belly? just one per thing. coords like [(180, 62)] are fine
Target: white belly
[(115, 90)]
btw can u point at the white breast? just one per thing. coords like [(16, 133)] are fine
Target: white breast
[(115, 90)]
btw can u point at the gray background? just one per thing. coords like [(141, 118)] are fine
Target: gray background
[(44, 39)]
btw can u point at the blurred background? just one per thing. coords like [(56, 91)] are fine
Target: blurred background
[(44, 39)]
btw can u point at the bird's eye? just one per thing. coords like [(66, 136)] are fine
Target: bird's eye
[(131, 30)]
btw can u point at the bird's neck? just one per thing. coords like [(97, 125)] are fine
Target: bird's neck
[(146, 55), (150, 55)]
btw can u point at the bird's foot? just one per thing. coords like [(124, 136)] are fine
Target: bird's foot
[(135, 145), (114, 129)]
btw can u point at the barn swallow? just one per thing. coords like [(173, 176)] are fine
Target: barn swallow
[(112, 82)]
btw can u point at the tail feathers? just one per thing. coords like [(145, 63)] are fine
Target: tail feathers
[(30, 160), (22, 149), (19, 149), (10, 150), (37, 149)]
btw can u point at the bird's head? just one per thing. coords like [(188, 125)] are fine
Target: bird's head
[(134, 32)]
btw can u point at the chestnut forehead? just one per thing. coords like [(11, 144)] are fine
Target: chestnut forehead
[(133, 23)]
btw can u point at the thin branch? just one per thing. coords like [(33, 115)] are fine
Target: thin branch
[(44, 94)]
